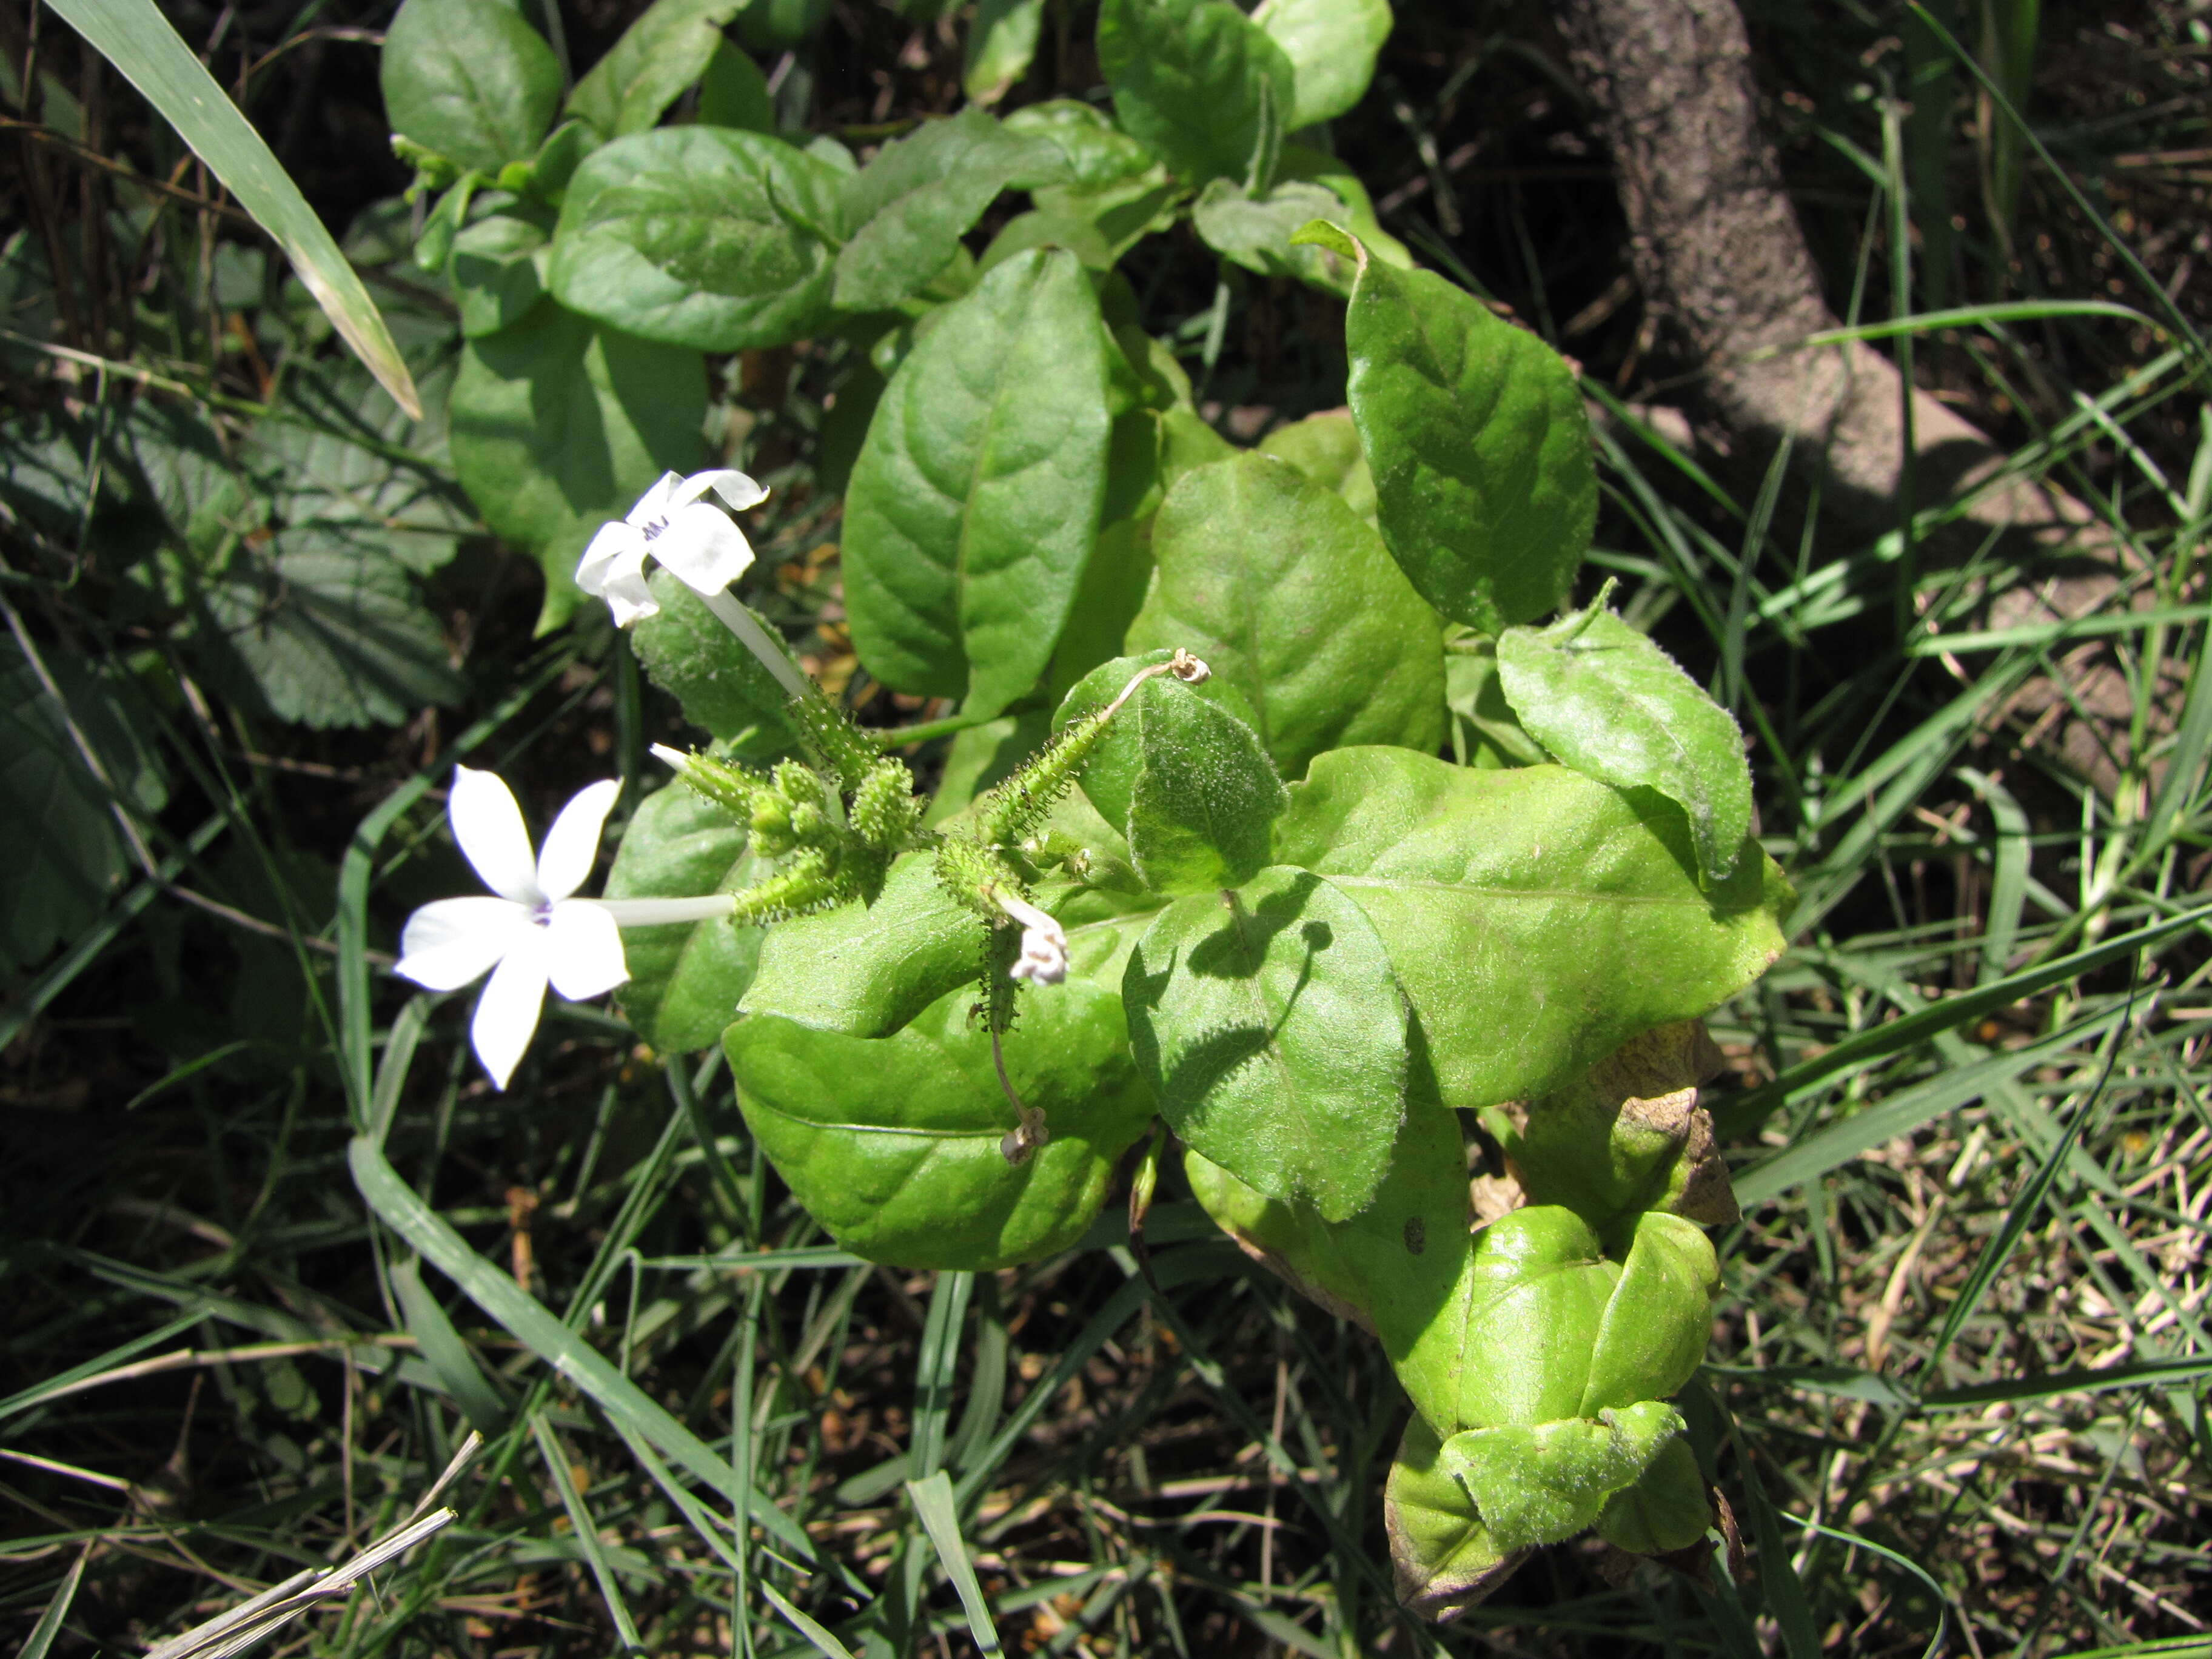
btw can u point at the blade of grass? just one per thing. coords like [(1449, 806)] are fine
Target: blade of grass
[(940, 1519), (933, 1370), (134, 36), (585, 1528), (446, 1353), (824, 1643), (563, 1349), (49, 1621)]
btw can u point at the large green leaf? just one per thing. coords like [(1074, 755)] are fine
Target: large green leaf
[(1272, 1033), (1520, 1325), (867, 969), (1541, 1483), (685, 978), (328, 632), (1606, 700), (658, 58), (1109, 777), (1278, 584), (1200, 84), (1332, 45), (1537, 920), (66, 851), (893, 1144), (913, 202), (701, 236), (975, 500), (134, 36), (1326, 448), (692, 655), (1393, 1266), (1481, 452), (1205, 797), (558, 425), (1443, 1556), (469, 79)]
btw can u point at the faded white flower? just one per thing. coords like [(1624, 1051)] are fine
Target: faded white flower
[(529, 931), (674, 524), (1043, 959)]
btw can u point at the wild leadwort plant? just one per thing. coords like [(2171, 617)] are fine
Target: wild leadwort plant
[(1236, 887)]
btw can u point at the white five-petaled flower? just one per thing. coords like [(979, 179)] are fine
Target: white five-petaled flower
[(676, 525), (1044, 943), (529, 931)]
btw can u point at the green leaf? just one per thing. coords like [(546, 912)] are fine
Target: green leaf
[(558, 426), (867, 969), (329, 633), (66, 852), (1666, 1510), (1272, 1033), (1541, 1483), (1326, 448), (1199, 82), (1002, 42), (893, 1143), (915, 200), (1254, 232), (1474, 428), (1485, 732), (701, 236), (1444, 1558), (657, 60), (1393, 1266), (1075, 146), (1332, 46), (1653, 1335), (134, 36), (1109, 777), (469, 79), (734, 93), (685, 978), (693, 656), (1534, 1270), (1277, 584), (1606, 700), (1532, 902), (1205, 795), (975, 500), (498, 270), (1302, 163)]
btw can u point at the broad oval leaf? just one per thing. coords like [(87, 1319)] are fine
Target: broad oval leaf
[(1652, 1338), (469, 79), (497, 267), (1513, 1343), (1332, 46), (1198, 82), (684, 978), (893, 1143), (1002, 40), (1205, 799), (1109, 777), (1443, 1557), (1484, 478), (701, 236), (1606, 700), (557, 425), (975, 500), (914, 201), (658, 58), (1326, 448), (1270, 1027), (867, 969), (1537, 920), (1278, 584), (693, 656), (1075, 145), (1539, 1483)]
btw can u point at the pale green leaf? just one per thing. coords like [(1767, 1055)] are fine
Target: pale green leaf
[(1332, 46), (468, 80), (658, 59), (1198, 82)]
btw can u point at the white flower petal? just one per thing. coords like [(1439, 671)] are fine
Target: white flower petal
[(572, 843), (704, 548), (654, 505), (489, 826), (1045, 956), (612, 547), (506, 1013), (584, 951), (629, 599), (737, 491), (447, 943)]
